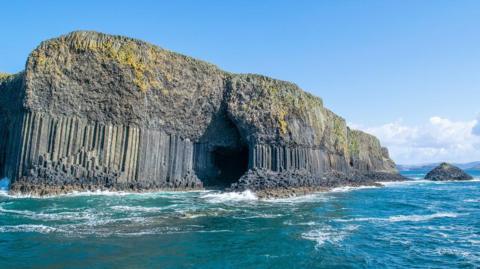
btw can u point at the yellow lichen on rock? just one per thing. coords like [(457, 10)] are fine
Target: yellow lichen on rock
[(282, 122), (128, 53), (339, 130), (353, 143), (4, 76)]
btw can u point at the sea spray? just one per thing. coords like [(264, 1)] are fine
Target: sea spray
[(226, 197)]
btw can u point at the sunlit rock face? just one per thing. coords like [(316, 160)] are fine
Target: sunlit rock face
[(99, 111)]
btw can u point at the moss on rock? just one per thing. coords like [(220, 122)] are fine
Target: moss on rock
[(4, 76), (145, 62)]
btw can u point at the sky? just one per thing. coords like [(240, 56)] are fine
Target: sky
[(406, 71)]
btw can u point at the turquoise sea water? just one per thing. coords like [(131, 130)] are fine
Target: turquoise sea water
[(417, 224)]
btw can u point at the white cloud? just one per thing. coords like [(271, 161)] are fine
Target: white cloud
[(439, 139), (476, 128)]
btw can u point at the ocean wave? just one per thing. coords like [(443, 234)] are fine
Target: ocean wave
[(291, 223), (173, 194), (308, 198), (157, 232), (259, 216), (405, 218), (70, 194), (328, 234), (81, 215), (225, 197), (27, 228), (403, 183), (195, 215), (124, 208), (416, 218), (461, 253), (87, 217), (424, 182), (349, 188)]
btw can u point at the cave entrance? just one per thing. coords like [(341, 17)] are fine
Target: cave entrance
[(231, 164), (221, 154)]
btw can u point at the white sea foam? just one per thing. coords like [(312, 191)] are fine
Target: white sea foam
[(140, 208), (406, 183), (405, 218), (328, 234), (225, 197), (195, 215), (474, 241), (423, 181), (80, 215), (269, 216), (416, 218), (349, 188), (27, 228), (123, 193), (160, 231), (308, 198), (101, 193), (259, 216), (70, 194), (463, 253), (309, 223)]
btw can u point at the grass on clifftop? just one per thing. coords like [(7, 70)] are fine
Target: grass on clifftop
[(4, 76), (283, 99), (146, 61)]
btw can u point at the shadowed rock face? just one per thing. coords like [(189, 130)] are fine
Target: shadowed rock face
[(98, 111), (447, 171)]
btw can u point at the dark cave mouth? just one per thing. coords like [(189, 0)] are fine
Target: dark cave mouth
[(231, 164)]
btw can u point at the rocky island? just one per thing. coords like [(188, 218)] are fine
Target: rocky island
[(95, 111), (447, 171)]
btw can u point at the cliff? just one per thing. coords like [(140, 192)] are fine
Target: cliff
[(98, 111)]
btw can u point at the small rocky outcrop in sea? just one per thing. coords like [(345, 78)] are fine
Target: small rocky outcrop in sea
[(447, 171)]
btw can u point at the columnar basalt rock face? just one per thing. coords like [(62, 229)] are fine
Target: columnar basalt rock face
[(98, 111)]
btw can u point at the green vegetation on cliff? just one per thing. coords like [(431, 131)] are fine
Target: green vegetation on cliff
[(4, 76), (7, 79), (353, 141), (147, 63)]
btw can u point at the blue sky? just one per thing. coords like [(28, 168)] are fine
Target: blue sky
[(398, 69)]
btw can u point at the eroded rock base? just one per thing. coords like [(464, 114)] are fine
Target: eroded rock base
[(269, 184)]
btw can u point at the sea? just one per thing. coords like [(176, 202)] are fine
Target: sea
[(414, 224)]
